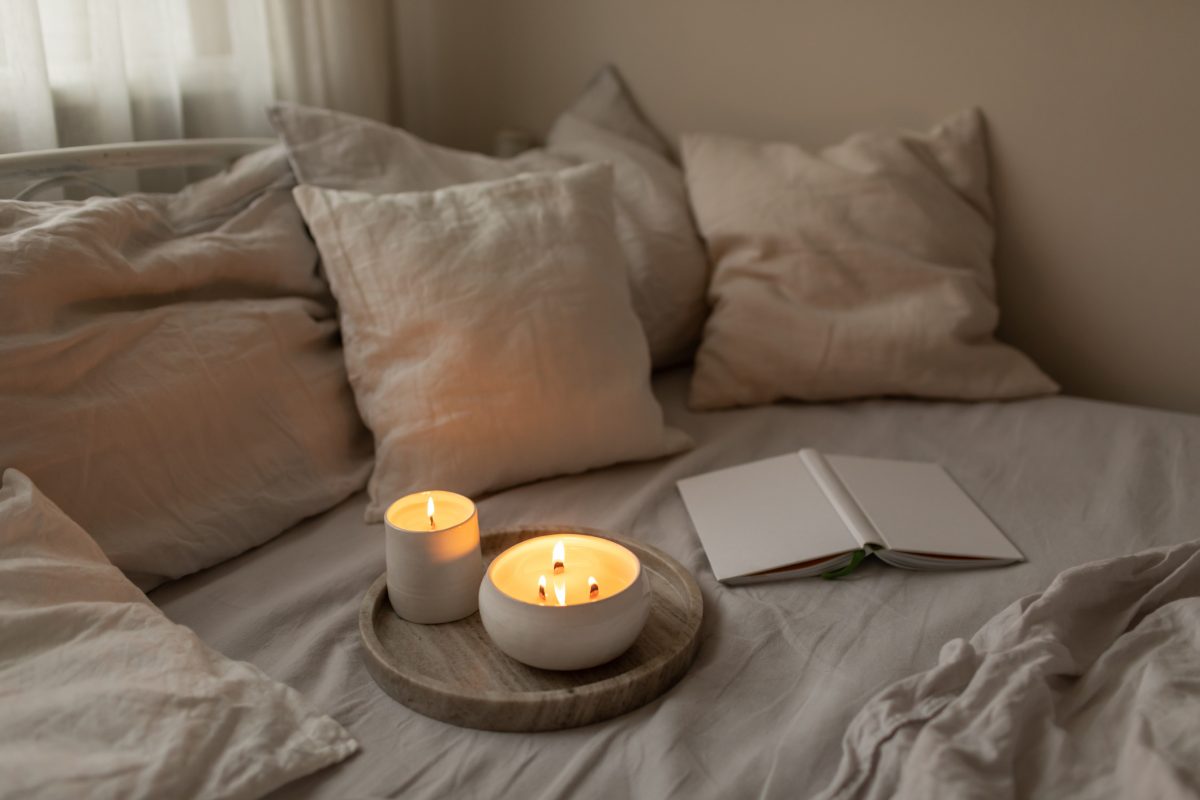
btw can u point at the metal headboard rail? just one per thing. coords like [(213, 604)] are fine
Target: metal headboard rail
[(46, 168)]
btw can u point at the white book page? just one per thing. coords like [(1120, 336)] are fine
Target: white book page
[(918, 508), (843, 503), (762, 516)]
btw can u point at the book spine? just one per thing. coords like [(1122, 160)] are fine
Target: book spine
[(842, 501)]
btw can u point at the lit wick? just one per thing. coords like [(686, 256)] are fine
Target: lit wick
[(593, 588), (560, 557), (429, 511), (542, 589)]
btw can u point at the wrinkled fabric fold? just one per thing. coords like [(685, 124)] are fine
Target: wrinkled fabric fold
[(1088, 689), (172, 372), (103, 697)]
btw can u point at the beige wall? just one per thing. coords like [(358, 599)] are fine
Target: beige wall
[(1094, 110)]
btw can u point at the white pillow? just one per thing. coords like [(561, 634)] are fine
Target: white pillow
[(172, 372), (488, 331), (667, 266), (103, 696), (863, 270)]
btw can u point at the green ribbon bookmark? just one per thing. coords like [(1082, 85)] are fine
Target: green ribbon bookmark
[(841, 572)]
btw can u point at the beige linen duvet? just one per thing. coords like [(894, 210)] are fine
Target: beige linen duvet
[(170, 370)]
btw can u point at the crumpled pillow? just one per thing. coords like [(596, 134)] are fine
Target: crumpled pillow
[(172, 374)]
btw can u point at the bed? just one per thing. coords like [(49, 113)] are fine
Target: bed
[(784, 668)]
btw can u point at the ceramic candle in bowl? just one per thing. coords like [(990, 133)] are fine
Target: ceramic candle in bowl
[(564, 601)]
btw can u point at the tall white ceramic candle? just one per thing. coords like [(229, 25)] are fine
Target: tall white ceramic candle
[(564, 601), (433, 561)]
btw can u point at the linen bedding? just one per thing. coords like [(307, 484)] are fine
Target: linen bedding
[(783, 667), (101, 696), (1089, 689), (170, 368)]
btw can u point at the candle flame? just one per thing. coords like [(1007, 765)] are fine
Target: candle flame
[(560, 590), (593, 588), (560, 557), (429, 511), (542, 589)]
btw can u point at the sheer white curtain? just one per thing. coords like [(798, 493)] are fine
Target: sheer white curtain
[(92, 71)]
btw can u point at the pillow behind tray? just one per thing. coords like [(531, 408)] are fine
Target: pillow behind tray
[(490, 338)]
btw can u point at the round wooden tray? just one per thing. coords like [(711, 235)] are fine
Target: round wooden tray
[(453, 672)]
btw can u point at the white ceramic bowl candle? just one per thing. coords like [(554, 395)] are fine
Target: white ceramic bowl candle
[(433, 561), (564, 601)]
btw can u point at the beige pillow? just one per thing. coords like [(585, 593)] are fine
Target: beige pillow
[(489, 335), (668, 269), (172, 376), (103, 696), (863, 270)]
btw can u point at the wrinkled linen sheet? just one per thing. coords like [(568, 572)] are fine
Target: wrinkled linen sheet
[(1089, 689), (102, 697), (782, 667)]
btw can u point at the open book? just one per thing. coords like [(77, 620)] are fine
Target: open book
[(805, 514)]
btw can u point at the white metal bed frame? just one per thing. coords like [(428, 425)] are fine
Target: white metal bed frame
[(47, 169)]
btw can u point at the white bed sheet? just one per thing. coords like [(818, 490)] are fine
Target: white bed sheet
[(783, 666)]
